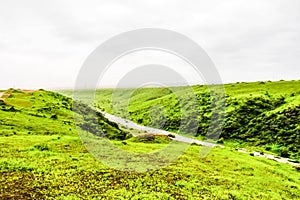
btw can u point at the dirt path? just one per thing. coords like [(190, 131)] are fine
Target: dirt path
[(131, 124), (270, 157)]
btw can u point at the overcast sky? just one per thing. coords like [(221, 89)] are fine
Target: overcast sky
[(44, 43)]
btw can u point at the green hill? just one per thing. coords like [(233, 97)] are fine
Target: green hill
[(42, 157), (48, 113), (262, 114)]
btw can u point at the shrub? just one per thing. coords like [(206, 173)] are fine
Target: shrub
[(171, 135), (152, 138), (2, 103), (284, 152), (42, 147), (54, 116), (220, 141)]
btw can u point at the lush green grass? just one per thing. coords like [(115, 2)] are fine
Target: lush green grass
[(42, 157), (261, 114), (41, 167), (48, 113)]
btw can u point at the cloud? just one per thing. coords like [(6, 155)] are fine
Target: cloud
[(44, 43)]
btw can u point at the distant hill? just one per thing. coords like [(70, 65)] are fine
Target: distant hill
[(265, 114)]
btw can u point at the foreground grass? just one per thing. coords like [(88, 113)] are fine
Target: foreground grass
[(59, 167), (41, 157)]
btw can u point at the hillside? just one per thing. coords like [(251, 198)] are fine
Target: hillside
[(48, 113), (42, 157), (261, 114)]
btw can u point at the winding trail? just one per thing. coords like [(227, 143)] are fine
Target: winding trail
[(270, 157), (180, 138), (133, 125)]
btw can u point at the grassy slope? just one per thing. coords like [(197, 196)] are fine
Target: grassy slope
[(51, 162), (234, 90), (46, 113), (258, 113), (65, 170)]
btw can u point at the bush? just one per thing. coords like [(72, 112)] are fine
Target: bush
[(2, 103), (297, 168), (54, 116), (42, 147), (284, 152), (152, 138), (220, 141), (171, 135)]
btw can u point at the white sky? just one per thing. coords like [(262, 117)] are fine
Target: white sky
[(127, 64), (44, 43)]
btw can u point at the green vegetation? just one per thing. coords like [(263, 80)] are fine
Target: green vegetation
[(48, 113), (42, 156), (151, 138), (59, 167), (261, 114)]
